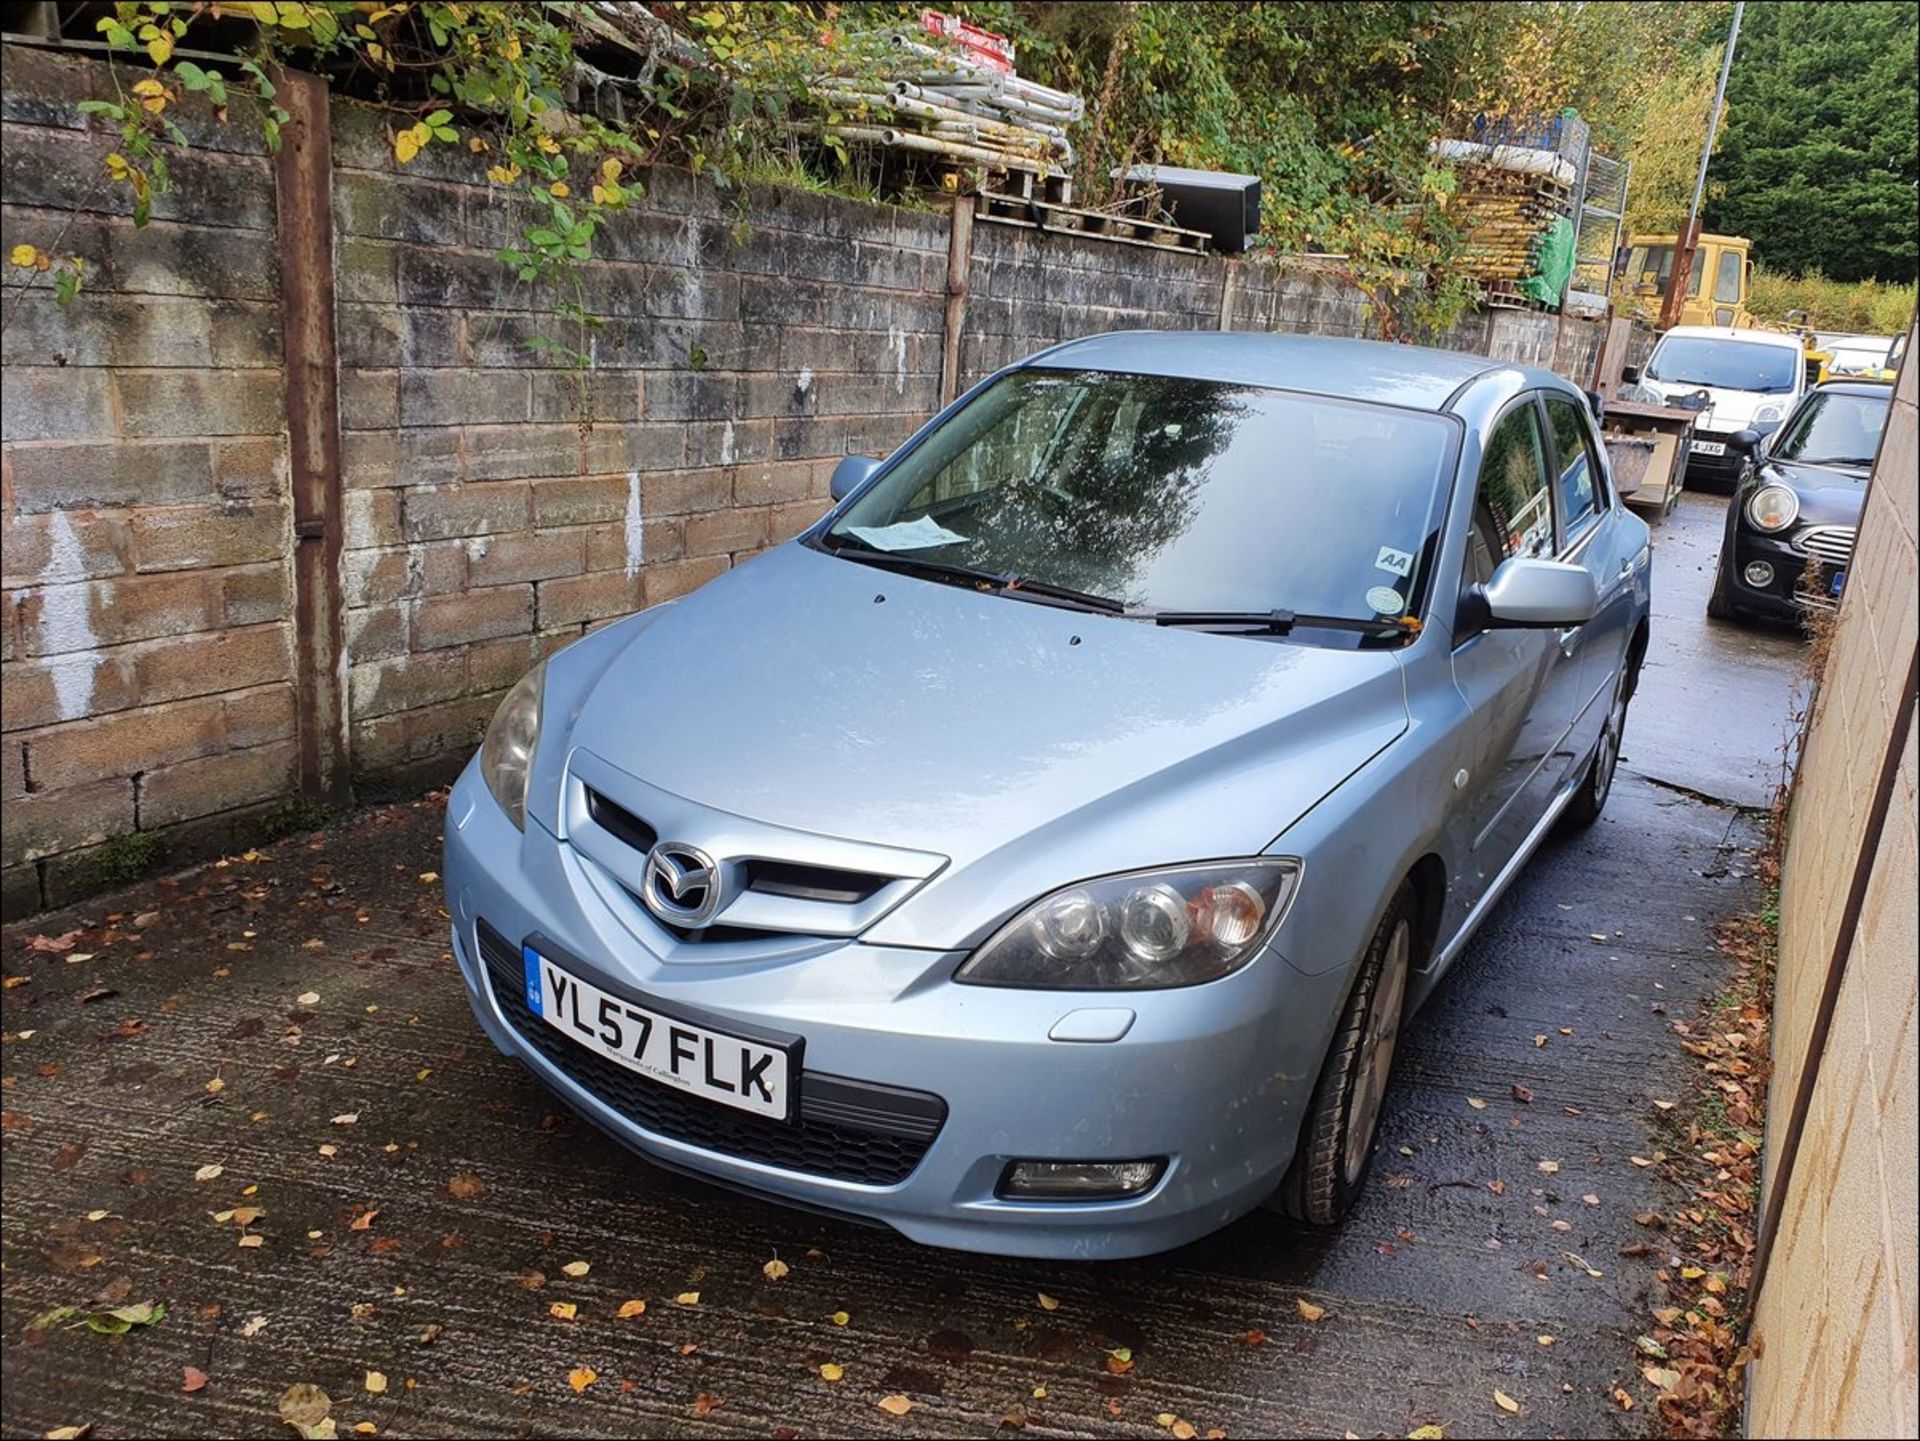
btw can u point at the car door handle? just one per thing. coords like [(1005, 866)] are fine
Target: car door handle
[(1569, 640)]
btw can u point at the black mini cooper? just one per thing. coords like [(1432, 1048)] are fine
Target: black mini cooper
[(1793, 517)]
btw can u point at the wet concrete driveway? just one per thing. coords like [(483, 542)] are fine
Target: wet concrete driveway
[(393, 1197)]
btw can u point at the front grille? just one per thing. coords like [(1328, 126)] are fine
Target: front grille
[(1830, 544), (848, 1130), (826, 884), (619, 822)]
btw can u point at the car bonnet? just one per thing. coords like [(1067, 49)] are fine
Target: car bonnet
[(1027, 744)]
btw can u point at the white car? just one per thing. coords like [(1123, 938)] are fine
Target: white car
[(1751, 378)]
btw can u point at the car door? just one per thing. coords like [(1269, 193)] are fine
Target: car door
[(1591, 536), (1519, 685)]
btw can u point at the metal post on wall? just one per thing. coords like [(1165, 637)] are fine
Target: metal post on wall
[(1689, 238), (959, 262), (303, 199)]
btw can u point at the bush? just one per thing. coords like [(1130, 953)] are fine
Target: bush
[(1866, 307)]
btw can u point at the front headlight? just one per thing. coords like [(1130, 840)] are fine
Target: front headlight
[(1765, 413), (1147, 930), (506, 755), (1773, 508)]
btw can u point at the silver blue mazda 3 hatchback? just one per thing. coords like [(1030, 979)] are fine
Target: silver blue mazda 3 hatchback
[(1041, 854)]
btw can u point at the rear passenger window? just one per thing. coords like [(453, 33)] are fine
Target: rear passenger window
[(1512, 510), (1579, 478)]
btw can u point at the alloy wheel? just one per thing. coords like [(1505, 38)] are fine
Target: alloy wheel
[(1376, 1051)]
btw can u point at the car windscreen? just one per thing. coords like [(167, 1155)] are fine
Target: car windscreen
[(1833, 428), (1724, 364), (1171, 494)]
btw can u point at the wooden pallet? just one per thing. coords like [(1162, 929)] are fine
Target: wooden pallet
[(1000, 209), (1507, 295)]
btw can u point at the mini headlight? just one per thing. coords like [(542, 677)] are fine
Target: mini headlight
[(506, 755), (1773, 508), (1145, 930)]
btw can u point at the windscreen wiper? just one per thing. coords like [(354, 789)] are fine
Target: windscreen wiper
[(1000, 582), (1027, 585), (1278, 622)]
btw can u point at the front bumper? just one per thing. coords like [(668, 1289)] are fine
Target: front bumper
[(1214, 1078), (1720, 470), (1792, 590)]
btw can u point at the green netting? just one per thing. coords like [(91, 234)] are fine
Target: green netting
[(1553, 257)]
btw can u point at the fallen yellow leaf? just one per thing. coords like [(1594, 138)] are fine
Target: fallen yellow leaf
[(1183, 1431), (775, 1269), (687, 1298), (894, 1405), (581, 1377), (563, 1310), (1047, 1303), (376, 1383), (629, 1309), (1504, 1401), (830, 1372), (577, 1269), (1427, 1433), (1550, 1167), (840, 1318), (1476, 1103), (1309, 1311), (208, 1173)]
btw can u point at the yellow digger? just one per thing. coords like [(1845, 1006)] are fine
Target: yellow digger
[(1717, 288)]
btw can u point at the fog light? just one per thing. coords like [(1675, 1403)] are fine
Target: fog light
[(1759, 574), (1078, 1180)]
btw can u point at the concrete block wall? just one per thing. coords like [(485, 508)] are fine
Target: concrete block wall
[(500, 503), (1837, 1314), (495, 503), (144, 613)]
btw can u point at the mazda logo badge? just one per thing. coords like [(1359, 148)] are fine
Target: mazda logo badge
[(682, 884)]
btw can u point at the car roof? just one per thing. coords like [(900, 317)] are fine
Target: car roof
[(1410, 376), (1729, 332), (1875, 389)]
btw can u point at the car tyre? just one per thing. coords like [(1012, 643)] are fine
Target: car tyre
[(1720, 599), (1597, 784), (1335, 1148)]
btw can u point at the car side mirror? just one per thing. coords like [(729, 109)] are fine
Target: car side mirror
[(1530, 594), (1747, 440), (1630, 374), (1597, 403), (850, 474)]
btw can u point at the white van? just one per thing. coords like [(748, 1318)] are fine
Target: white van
[(1752, 378)]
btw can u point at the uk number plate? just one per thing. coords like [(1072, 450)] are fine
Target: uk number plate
[(1709, 447), (746, 1075)]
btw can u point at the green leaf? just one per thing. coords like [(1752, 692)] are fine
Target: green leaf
[(542, 237), (439, 118), (66, 285), (444, 132), (193, 75), (102, 107)]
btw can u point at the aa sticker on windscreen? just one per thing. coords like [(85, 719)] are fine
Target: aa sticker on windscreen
[(1397, 561)]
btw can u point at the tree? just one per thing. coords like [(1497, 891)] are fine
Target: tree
[(1819, 167)]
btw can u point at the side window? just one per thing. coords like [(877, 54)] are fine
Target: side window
[(1512, 509), (1579, 478), (1726, 280)]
